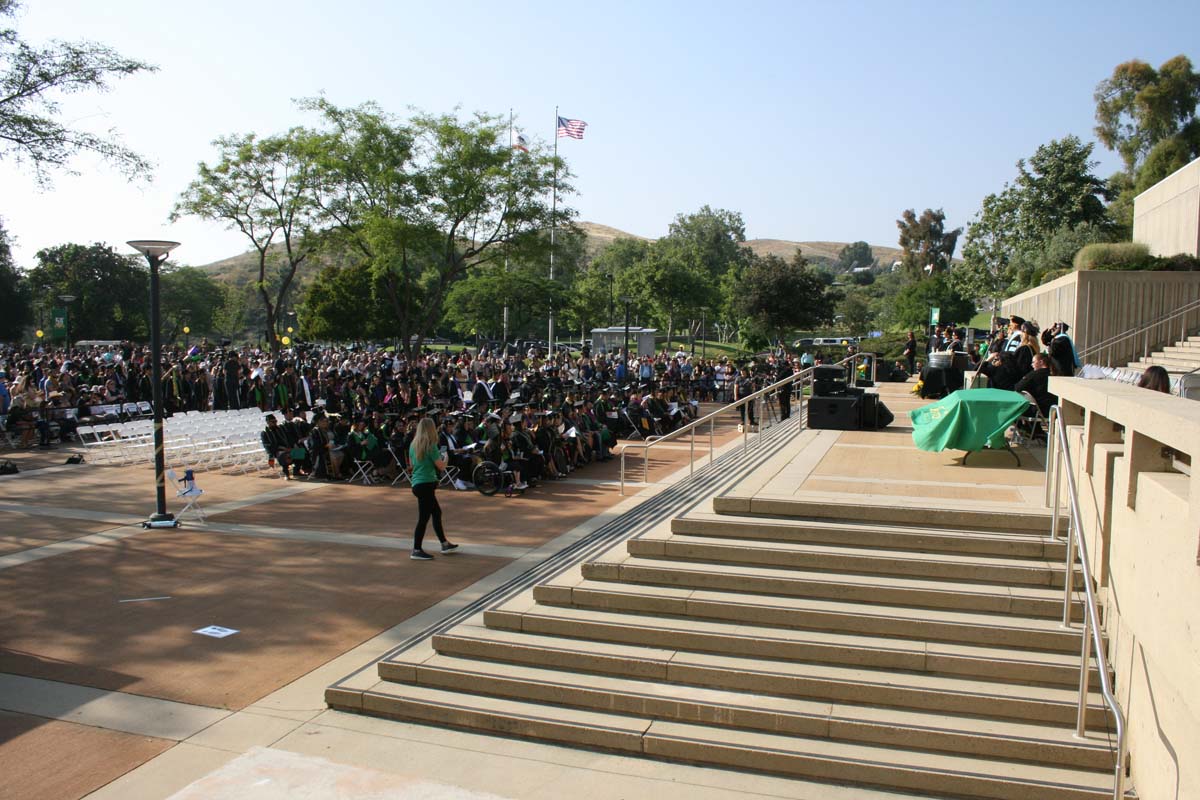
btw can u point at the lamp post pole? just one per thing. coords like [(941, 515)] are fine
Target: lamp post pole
[(703, 334), (609, 275), (67, 299), (156, 253), (625, 342)]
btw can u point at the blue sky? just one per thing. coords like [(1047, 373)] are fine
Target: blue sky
[(814, 120)]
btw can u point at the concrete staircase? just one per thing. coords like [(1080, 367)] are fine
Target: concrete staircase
[(1183, 356), (783, 637)]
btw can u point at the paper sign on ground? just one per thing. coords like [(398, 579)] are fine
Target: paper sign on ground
[(216, 631)]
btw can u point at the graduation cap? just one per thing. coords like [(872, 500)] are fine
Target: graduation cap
[(578, 403)]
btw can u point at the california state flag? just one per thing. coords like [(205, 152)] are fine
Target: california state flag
[(519, 142)]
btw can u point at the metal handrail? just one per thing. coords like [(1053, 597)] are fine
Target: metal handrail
[(1139, 329), (1091, 619), (798, 377)]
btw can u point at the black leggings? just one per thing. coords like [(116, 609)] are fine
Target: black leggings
[(427, 506)]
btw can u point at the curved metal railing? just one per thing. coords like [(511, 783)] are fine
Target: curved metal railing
[(802, 377), (1091, 636)]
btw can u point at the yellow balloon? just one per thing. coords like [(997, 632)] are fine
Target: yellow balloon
[(286, 340), (289, 329), (186, 329), (40, 334)]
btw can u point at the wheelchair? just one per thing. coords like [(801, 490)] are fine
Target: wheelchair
[(490, 479)]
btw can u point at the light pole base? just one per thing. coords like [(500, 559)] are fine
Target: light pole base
[(161, 521)]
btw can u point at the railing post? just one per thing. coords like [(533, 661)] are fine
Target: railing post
[(1058, 458), (623, 470), (1084, 678), (711, 423), (1069, 578), (692, 457)]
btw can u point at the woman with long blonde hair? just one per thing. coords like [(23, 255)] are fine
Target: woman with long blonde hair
[(426, 460)]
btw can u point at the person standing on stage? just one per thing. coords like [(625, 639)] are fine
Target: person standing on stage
[(426, 460)]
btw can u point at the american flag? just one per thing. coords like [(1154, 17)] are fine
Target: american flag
[(571, 127)]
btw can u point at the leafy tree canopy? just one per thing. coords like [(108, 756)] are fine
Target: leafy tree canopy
[(776, 296), (32, 79), (112, 291), (911, 305), (854, 256), (14, 294), (1138, 106), (925, 242), (1055, 190)]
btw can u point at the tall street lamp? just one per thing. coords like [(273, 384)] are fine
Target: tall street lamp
[(67, 298), (626, 299), (609, 276), (156, 253)]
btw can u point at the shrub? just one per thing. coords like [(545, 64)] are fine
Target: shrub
[(1116, 256), (1180, 262)]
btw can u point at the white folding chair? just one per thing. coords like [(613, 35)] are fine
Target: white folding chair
[(402, 473), (364, 471), (190, 492)]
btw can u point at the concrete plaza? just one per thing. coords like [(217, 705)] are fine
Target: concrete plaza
[(106, 691)]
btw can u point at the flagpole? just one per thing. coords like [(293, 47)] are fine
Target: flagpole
[(553, 226), (504, 336)]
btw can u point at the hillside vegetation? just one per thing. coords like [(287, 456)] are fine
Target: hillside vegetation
[(242, 269)]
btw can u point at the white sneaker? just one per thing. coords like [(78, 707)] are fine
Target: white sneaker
[(521, 485), (458, 484)]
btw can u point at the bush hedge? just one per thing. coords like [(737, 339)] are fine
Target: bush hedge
[(1114, 256)]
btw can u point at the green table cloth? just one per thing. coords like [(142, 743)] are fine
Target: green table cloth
[(969, 419)]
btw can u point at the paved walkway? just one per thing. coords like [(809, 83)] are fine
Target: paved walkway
[(105, 663)]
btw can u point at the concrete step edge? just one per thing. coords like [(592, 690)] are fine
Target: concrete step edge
[(858, 618), (983, 520), (801, 756), (723, 708), (916, 591)]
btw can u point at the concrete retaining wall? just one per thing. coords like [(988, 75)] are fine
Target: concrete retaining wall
[(1141, 520)]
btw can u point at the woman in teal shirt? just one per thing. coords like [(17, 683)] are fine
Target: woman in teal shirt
[(426, 460)]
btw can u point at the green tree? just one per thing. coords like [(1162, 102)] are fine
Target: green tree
[(342, 304), (190, 297), (15, 303), (670, 284), (855, 312), (427, 200), (911, 306), (112, 291), (855, 255), (714, 242), (263, 189), (475, 304), (926, 243), (776, 296), (31, 81), (1138, 106), (1055, 190)]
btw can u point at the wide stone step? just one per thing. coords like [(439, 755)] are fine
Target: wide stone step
[(803, 756), (895, 537), (886, 513), (823, 649), (897, 589), (899, 692), (834, 558), (995, 630), (718, 707)]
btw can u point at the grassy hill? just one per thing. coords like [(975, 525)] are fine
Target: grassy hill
[(242, 269)]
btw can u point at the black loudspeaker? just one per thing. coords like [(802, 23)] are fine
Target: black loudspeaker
[(875, 414), (824, 387), (829, 372), (834, 413)]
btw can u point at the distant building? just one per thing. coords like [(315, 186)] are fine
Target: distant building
[(1166, 217)]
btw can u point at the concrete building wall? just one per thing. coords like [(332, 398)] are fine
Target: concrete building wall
[(1099, 305), (1141, 522), (1166, 217)]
